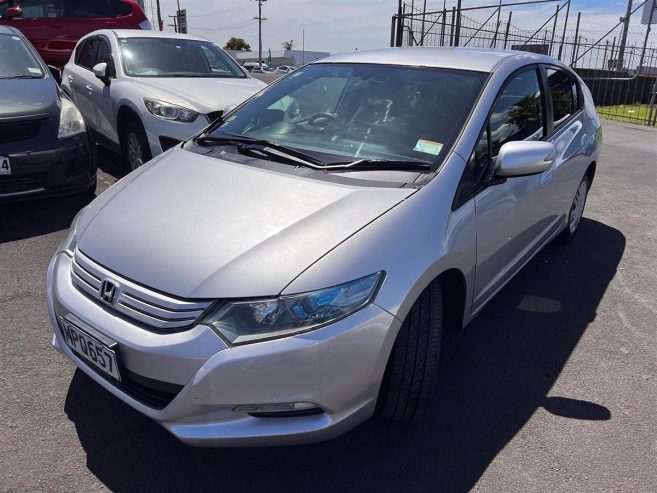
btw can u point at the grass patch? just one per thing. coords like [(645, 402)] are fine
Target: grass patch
[(632, 113)]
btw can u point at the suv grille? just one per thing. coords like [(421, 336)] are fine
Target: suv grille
[(138, 303), (11, 132)]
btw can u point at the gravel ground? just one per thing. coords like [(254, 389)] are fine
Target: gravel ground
[(551, 388)]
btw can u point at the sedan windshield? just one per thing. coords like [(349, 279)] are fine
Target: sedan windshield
[(16, 60), (162, 57), (344, 112)]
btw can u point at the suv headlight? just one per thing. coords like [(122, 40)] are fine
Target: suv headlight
[(169, 111), (70, 120), (251, 321), (69, 243)]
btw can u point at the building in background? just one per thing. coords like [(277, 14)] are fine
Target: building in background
[(280, 57)]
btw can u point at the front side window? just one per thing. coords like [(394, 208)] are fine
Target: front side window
[(162, 57), (17, 60), (563, 92), (342, 111), (87, 54), (41, 8), (518, 113)]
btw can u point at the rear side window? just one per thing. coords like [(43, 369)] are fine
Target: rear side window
[(563, 91), (121, 8), (41, 8), (86, 53), (88, 9)]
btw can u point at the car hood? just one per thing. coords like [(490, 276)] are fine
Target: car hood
[(28, 97), (200, 227), (202, 94)]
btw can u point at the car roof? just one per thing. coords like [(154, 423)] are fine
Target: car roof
[(476, 59), (139, 33), (10, 30)]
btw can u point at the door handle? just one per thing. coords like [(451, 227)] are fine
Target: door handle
[(70, 78), (89, 88)]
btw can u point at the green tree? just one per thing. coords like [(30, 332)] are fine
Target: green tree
[(288, 45), (237, 44)]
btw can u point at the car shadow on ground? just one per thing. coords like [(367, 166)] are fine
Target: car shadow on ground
[(494, 375)]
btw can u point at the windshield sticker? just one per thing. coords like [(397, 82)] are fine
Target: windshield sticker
[(428, 147), (34, 70)]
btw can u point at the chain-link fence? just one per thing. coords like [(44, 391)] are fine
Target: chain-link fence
[(608, 42)]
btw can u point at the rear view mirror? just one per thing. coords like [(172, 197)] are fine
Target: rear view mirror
[(56, 73), (13, 12), (100, 71), (524, 157)]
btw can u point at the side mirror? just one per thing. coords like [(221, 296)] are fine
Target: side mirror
[(100, 71), (13, 12), (56, 74), (524, 157)]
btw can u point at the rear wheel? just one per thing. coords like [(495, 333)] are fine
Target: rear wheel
[(134, 145), (576, 211), (411, 372)]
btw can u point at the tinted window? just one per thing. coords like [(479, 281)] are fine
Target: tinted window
[(87, 54), (518, 113), (563, 91), (161, 57), (88, 8), (16, 59), (345, 111), (122, 8), (41, 8)]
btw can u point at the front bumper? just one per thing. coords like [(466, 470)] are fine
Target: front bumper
[(67, 168), (161, 133), (338, 368)]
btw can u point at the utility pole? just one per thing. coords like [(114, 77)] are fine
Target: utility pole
[(175, 22), (623, 42), (159, 16), (260, 19)]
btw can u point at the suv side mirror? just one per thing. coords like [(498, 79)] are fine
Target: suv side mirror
[(100, 71), (13, 12), (524, 157)]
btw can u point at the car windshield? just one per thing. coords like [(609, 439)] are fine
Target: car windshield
[(16, 60), (348, 112), (162, 57)]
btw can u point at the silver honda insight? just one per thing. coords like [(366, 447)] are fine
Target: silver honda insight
[(288, 272)]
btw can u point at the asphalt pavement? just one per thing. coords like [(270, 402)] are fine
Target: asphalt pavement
[(553, 387)]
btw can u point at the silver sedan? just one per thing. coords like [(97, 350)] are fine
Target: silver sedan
[(288, 272)]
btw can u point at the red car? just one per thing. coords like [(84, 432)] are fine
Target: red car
[(55, 26)]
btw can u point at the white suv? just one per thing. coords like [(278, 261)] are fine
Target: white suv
[(142, 92)]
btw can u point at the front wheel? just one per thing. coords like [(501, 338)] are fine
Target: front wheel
[(576, 211), (134, 143), (410, 376)]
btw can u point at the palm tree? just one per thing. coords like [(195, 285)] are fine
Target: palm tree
[(288, 45)]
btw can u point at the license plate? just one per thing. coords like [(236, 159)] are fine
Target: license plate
[(90, 348), (5, 167)]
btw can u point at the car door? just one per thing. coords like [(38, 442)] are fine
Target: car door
[(570, 137), (78, 77), (512, 214), (101, 92)]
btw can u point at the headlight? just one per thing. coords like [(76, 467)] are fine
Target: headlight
[(251, 321), (70, 120), (69, 243), (170, 111)]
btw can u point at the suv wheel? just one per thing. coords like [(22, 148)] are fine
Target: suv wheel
[(135, 148), (410, 376), (576, 211)]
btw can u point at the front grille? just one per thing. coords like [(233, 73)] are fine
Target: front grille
[(22, 183), (138, 303), (11, 132), (215, 115)]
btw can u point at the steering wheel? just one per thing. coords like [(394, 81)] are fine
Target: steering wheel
[(323, 115)]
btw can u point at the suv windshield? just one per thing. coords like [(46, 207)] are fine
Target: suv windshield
[(341, 111), (16, 60), (161, 57)]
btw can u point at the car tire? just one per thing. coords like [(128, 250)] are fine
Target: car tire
[(410, 376), (134, 145), (576, 211)]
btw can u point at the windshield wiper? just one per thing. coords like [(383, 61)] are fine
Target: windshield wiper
[(378, 164), (265, 147)]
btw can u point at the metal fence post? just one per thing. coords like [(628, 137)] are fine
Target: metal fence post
[(424, 17), (576, 40), (623, 41), (392, 30), (451, 29), (565, 26), (400, 25), (442, 29), (554, 28), (508, 25), (458, 23)]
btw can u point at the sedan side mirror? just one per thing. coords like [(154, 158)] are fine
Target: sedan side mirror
[(13, 12), (524, 157), (100, 71)]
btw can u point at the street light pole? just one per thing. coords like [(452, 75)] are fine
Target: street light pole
[(260, 19)]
